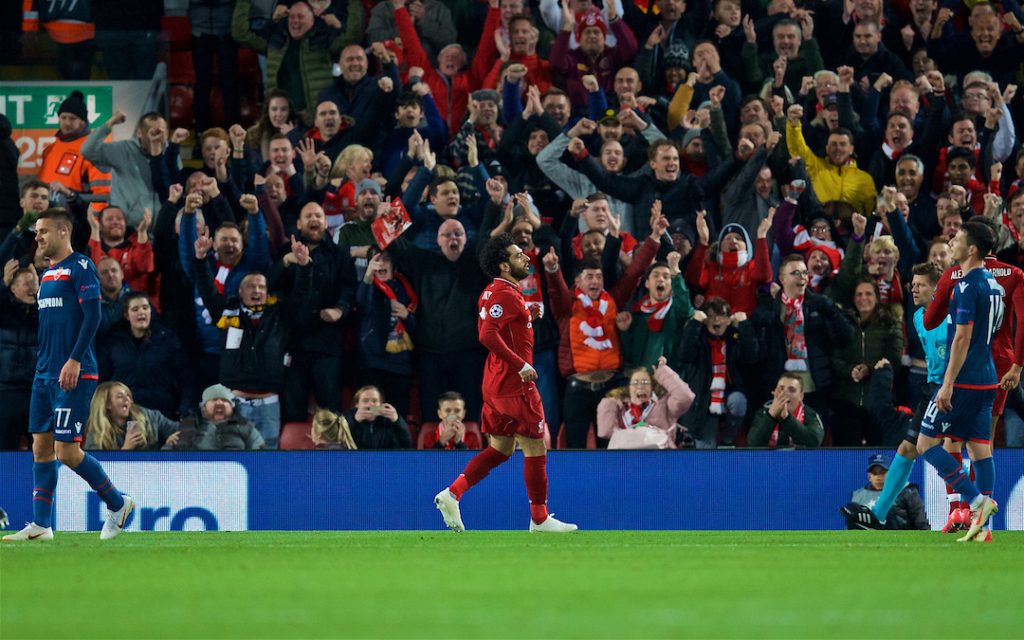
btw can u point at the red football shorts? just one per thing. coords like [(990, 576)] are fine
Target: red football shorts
[(999, 403), (512, 416)]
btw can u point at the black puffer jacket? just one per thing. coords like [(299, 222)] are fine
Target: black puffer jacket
[(19, 341), (825, 329), (154, 367)]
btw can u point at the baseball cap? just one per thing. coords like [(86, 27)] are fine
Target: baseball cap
[(878, 460), (610, 117), (831, 100)]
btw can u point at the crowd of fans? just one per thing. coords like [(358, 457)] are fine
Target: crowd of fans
[(722, 202)]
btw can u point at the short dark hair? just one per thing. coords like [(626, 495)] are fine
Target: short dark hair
[(60, 216), (657, 264), (228, 225), (494, 253), (408, 99), (33, 184), (841, 131), (450, 396), (280, 136), (587, 263), (652, 153), (788, 22), (109, 207), (789, 375), (980, 236), (929, 270), (717, 306), (1017, 195), (961, 153), (793, 257), (151, 115), (437, 182)]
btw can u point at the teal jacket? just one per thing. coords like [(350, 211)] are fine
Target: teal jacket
[(641, 347)]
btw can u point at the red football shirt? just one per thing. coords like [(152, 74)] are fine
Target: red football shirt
[(505, 328), (1007, 347)]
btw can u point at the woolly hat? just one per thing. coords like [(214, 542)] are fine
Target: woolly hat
[(833, 255), (74, 104), (590, 18), (367, 183), (690, 136), (215, 391)]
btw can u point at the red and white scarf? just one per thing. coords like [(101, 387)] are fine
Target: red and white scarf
[(657, 310), (733, 259), (773, 440), (796, 344), (718, 376), (592, 325), (221, 277), (635, 415)]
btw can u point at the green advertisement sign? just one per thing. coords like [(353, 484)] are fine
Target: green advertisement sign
[(35, 106)]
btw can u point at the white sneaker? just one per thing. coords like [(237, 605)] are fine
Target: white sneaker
[(116, 519), (552, 525), (979, 518), (449, 508), (32, 531)]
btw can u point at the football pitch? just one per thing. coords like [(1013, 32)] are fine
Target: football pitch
[(485, 584)]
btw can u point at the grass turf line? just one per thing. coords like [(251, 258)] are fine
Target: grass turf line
[(483, 584)]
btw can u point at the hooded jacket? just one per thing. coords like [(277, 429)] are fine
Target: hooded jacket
[(737, 285)]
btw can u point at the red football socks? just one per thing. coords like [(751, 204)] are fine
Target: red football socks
[(477, 470), (536, 476)]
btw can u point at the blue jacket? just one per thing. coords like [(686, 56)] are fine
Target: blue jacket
[(426, 221), (394, 146), (255, 257)]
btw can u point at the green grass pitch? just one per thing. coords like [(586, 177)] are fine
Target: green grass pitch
[(597, 584)]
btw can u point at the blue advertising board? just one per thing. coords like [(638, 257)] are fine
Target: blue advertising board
[(368, 490)]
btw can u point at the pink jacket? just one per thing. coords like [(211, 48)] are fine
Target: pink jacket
[(666, 411)]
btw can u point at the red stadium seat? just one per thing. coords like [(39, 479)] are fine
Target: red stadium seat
[(178, 31), (295, 437), (180, 69), (181, 105), (591, 438), (428, 427)]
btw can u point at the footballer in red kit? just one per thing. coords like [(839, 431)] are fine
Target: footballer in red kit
[(512, 404), (512, 411)]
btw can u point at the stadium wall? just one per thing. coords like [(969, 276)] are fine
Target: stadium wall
[(316, 490)]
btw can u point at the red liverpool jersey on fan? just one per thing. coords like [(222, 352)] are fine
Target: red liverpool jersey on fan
[(1007, 348), (505, 328)]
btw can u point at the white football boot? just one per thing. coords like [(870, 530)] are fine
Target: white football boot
[(552, 525), (116, 519), (32, 531), (449, 508)]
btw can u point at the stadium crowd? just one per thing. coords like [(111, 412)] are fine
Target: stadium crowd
[(724, 203)]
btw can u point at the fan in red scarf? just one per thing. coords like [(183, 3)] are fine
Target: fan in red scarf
[(786, 421), (735, 272)]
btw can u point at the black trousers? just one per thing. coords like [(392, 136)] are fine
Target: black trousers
[(461, 371), (13, 417), (316, 372), (204, 49), (579, 410)]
